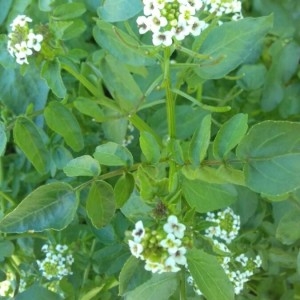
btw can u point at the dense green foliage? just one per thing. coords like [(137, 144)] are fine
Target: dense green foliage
[(102, 129)]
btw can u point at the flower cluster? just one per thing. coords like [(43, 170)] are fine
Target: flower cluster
[(129, 137), (225, 7), (57, 263), (163, 249), (227, 225), (170, 19), (22, 41), (238, 268)]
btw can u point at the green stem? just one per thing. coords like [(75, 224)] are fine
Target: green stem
[(182, 285), (88, 267), (170, 106)]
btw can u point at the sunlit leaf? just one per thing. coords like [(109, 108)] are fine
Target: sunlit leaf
[(209, 275), (28, 138), (271, 155), (51, 206), (61, 120), (100, 204), (82, 166)]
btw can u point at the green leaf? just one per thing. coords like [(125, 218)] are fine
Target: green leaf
[(200, 142), (89, 108), (123, 189), (62, 121), (68, 11), (288, 228), (150, 147), (209, 276), (82, 166), (51, 206), (38, 292), (3, 139), (160, 286), (271, 154), (205, 197), (6, 249), (121, 45), (100, 205), (51, 72), (121, 84), (229, 135), (29, 140), (252, 76), (230, 44), (132, 275), (112, 154), (119, 10)]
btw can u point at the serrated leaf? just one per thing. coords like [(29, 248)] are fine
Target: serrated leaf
[(3, 138), (51, 72), (82, 166), (29, 140), (209, 276), (160, 286), (150, 147), (200, 141), (123, 189), (230, 44), (113, 154), (62, 121), (271, 155), (51, 206), (205, 197), (100, 205), (229, 135)]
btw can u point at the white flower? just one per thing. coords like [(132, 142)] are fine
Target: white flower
[(197, 26), (170, 265), (242, 259), (154, 267), (181, 31), (179, 255), (258, 261), (139, 231), (162, 38), (136, 249), (173, 226), (20, 20), (156, 22), (170, 243), (143, 24), (34, 41)]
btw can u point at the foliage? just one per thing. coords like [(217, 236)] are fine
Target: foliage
[(101, 129)]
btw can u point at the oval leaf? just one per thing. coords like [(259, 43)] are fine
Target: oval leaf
[(113, 154), (160, 286), (230, 44), (271, 153), (51, 73), (200, 141), (150, 147), (68, 11), (51, 206), (29, 140), (229, 135), (119, 10), (205, 197), (209, 276), (62, 121), (100, 204), (123, 189), (82, 166)]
